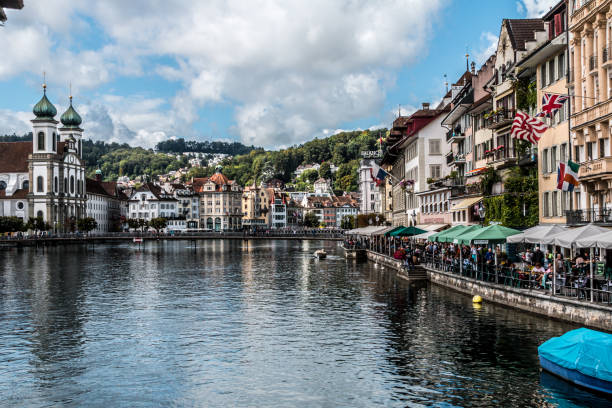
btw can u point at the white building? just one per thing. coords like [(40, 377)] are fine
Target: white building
[(48, 171), (278, 208), (188, 202), (104, 204), (368, 190), (150, 201), (322, 186)]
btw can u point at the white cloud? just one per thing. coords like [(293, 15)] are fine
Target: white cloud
[(291, 68), (488, 47), (534, 8)]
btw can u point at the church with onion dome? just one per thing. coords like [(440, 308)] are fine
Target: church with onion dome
[(45, 177)]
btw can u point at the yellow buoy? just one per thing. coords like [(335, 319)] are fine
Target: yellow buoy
[(477, 299)]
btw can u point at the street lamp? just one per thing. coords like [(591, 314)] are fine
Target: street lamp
[(481, 213)]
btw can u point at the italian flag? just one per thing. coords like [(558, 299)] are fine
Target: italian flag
[(567, 176)]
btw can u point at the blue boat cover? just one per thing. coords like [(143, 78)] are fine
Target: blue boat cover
[(586, 351)]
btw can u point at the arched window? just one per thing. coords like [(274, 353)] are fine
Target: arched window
[(26, 185), (40, 184), (39, 214), (78, 187), (71, 184), (65, 185), (41, 141), (217, 224), (54, 147), (80, 147), (209, 223), (2, 185), (56, 185)]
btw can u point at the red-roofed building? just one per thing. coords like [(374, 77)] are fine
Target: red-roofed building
[(220, 202)]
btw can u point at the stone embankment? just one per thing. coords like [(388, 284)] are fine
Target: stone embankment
[(534, 301)]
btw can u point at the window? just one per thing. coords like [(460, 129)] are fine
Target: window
[(40, 184), (543, 76), (20, 205), (71, 184), (589, 147), (545, 205), (56, 184), (554, 203), (560, 65), (602, 148), (434, 171), (544, 161), (25, 185), (41, 141), (553, 159), (563, 153), (577, 153), (434, 146), (39, 214), (551, 71), (54, 144)]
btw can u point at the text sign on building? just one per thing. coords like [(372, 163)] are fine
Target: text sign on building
[(372, 154)]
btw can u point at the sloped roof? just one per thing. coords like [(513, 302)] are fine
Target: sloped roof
[(95, 187), (522, 30), (14, 156)]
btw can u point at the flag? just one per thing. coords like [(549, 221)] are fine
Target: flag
[(378, 174), (567, 176), (525, 127), (551, 103)]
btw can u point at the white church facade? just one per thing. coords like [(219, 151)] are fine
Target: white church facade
[(45, 177)]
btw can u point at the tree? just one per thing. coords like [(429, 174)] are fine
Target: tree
[(87, 224), (143, 224), (311, 220), (158, 224), (11, 224), (310, 175), (325, 171), (137, 223), (347, 222), (38, 224)]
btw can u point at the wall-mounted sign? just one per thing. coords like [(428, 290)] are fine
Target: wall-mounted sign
[(372, 154)]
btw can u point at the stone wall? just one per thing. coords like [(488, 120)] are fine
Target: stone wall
[(585, 313)]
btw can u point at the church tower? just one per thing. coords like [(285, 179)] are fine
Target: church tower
[(71, 129), (44, 149)]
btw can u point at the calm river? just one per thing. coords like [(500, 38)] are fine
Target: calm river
[(258, 323)]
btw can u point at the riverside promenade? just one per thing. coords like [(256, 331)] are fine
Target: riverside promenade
[(75, 239), (570, 309)]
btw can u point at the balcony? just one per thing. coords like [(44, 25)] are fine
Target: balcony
[(501, 156), (459, 158), (582, 217), (606, 56), (591, 113), (455, 135), (593, 64), (500, 119), (595, 168)]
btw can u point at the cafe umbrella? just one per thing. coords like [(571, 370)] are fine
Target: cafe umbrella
[(439, 235)]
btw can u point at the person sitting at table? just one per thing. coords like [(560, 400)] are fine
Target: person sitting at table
[(538, 271), (538, 256)]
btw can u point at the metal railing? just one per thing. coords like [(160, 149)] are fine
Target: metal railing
[(592, 62), (581, 217), (573, 282)]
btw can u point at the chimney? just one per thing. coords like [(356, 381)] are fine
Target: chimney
[(473, 68), (425, 105)]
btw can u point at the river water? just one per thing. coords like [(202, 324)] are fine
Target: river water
[(257, 323)]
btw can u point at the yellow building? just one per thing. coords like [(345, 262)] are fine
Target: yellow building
[(256, 206), (590, 25), (548, 64)]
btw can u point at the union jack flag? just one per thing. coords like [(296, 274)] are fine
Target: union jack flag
[(525, 127), (551, 103)]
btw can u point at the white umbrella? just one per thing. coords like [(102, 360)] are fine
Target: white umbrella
[(568, 238), (536, 235), (425, 235), (603, 240)]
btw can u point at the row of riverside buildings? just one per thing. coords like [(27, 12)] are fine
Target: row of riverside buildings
[(445, 161), (46, 178)]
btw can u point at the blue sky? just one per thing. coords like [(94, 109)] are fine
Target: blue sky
[(272, 73)]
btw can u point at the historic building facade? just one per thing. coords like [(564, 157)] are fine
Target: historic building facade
[(46, 177)]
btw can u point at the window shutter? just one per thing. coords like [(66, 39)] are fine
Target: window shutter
[(559, 197)]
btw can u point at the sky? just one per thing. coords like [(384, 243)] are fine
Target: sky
[(272, 73)]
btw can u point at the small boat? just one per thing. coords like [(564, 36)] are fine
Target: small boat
[(582, 357), (320, 253), (138, 240)]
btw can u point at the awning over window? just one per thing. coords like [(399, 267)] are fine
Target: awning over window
[(432, 227), (467, 203)]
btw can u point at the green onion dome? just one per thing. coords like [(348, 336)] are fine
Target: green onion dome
[(71, 118), (44, 109)]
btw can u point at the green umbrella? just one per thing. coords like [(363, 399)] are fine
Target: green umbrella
[(493, 234), (456, 238), (440, 235), (407, 232), (390, 233)]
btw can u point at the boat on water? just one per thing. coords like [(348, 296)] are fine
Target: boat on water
[(320, 253), (582, 357)]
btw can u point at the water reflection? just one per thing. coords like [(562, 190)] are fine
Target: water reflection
[(255, 323)]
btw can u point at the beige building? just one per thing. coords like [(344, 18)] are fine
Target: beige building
[(590, 24), (547, 63), (256, 206), (220, 202)]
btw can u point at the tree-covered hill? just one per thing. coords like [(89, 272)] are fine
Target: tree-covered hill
[(181, 145)]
